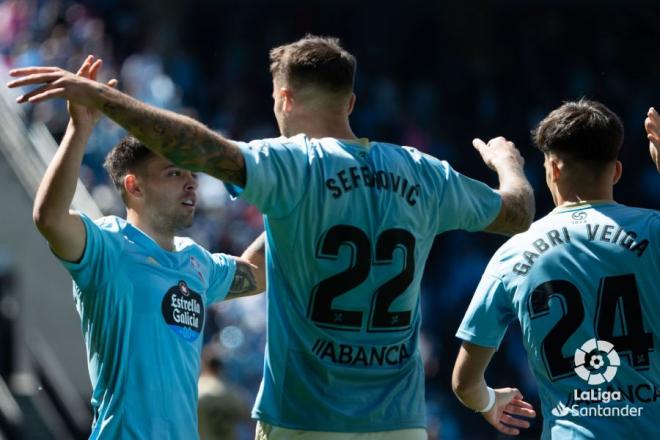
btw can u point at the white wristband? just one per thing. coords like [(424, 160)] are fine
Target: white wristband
[(491, 401)]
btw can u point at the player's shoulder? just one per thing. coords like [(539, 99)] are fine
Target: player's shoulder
[(402, 150), (109, 231), (652, 214), (644, 222), (506, 253), (624, 215), (198, 253), (541, 226), (297, 142), (187, 244), (413, 156), (109, 223)]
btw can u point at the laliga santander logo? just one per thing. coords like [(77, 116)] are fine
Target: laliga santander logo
[(596, 362), (590, 361)]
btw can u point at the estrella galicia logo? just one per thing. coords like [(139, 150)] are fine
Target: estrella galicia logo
[(183, 311), (590, 363)]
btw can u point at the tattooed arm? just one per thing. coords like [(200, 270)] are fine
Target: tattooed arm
[(517, 211), (186, 142), (250, 277)]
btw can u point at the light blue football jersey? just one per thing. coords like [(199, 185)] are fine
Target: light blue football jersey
[(583, 282), (142, 313), (349, 227)]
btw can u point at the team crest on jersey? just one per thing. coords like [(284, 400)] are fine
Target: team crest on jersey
[(183, 311), (197, 267)]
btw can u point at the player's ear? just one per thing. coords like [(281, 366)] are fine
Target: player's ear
[(287, 99), (132, 186), (618, 170), (555, 169), (351, 103)]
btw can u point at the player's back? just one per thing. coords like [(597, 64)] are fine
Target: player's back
[(584, 286), (350, 227)]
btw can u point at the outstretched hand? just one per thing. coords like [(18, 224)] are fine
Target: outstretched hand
[(652, 126), (81, 115), (58, 83), (499, 152), (509, 402)]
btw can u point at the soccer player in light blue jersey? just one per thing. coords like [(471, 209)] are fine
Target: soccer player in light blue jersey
[(140, 291), (583, 283), (349, 226)]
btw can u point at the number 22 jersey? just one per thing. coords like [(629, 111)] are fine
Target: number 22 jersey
[(583, 282), (349, 227)]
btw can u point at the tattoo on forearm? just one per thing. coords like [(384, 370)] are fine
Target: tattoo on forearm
[(517, 215), (244, 281), (517, 210), (184, 141)]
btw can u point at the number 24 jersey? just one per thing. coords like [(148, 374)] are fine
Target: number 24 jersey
[(583, 282)]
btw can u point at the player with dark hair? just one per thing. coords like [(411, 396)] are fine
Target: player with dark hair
[(582, 282), (349, 225), (140, 290)]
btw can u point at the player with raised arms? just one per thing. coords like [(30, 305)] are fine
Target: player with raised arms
[(349, 225), (140, 291), (582, 282)]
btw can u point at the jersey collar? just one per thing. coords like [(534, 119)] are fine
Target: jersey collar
[(360, 142), (568, 207)]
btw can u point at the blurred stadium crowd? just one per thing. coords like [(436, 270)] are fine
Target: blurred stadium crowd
[(432, 76)]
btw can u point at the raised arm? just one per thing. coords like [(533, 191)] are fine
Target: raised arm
[(497, 406), (250, 277), (186, 142), (652, 126), (517, 211), (64, 230)]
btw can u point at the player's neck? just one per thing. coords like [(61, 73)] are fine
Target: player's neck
[(320, 127), (584, 184), (568, 198), (164, 239)]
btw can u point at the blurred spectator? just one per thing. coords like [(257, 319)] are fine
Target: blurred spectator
[(8, 314), (221, 406)]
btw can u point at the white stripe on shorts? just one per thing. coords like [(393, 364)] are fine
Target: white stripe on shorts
[(270, 432)]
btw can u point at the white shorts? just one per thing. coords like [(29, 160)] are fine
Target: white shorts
[(270, 432)]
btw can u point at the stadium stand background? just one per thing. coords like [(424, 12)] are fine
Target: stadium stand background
[(430, 74)]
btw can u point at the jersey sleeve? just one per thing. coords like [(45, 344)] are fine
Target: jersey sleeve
[(223, 269), (277, 171), (488, 315), (464, 203), (99, 256)]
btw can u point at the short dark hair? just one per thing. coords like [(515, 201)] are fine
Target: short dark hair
[(584, 131), (314, 61), (128, 155)]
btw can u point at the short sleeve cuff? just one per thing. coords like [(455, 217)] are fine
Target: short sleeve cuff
[(491, 208), (222, 289), (480, 341), (251, 170), (74, 266)]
